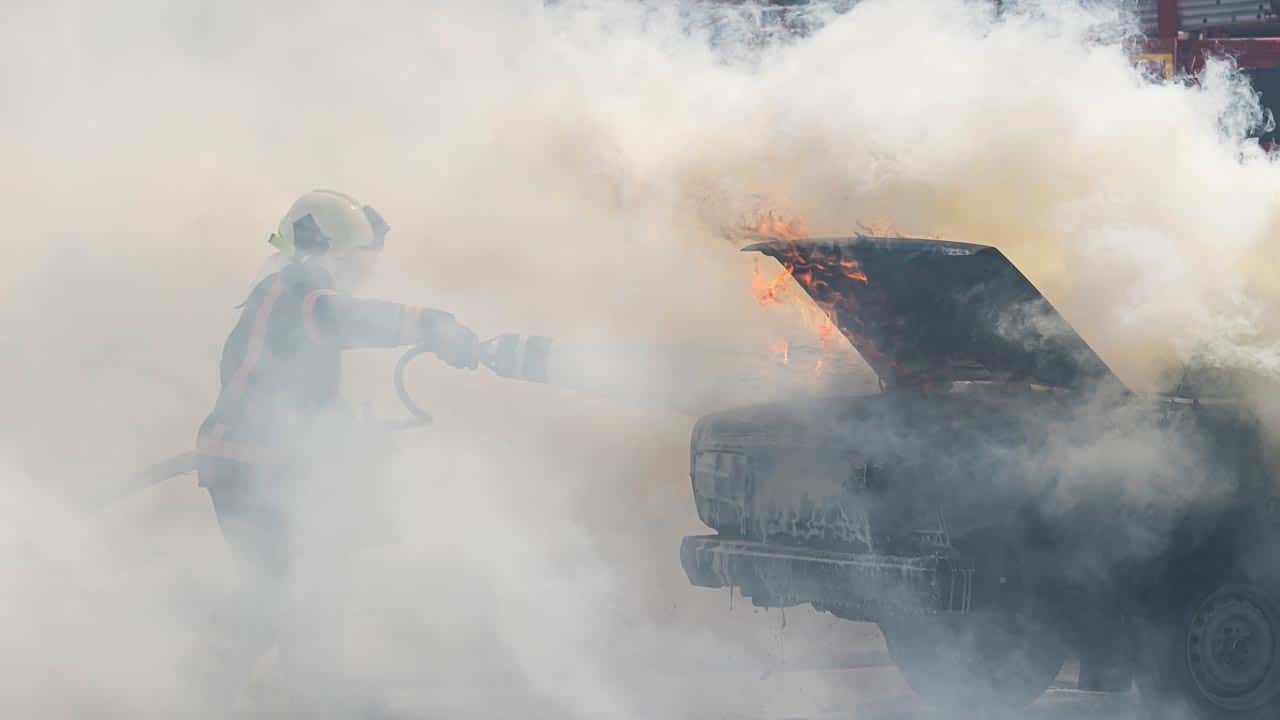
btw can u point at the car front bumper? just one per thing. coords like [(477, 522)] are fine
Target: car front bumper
[(852, 586)]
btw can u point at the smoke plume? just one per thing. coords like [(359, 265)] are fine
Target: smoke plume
[(565, 169)]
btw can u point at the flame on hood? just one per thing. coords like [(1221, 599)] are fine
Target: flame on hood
[(925, 312)]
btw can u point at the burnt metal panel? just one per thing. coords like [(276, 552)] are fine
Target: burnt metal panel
[(926, 312)]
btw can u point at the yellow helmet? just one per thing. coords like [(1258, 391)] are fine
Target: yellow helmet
[(326, 221)]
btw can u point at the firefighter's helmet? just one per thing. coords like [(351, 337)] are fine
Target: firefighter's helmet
[(326, 221)]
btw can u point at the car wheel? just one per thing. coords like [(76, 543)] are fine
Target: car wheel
[(1216, 657), (984, 661)]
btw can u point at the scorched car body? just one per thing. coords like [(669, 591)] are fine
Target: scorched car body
[(1004, 501)]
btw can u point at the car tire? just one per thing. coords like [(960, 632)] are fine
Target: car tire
[(980, 661), (1215, 655)]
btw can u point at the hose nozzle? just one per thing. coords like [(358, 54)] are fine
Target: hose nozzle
[(515, 356)]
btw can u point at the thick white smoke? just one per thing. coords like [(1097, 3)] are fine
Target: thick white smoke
[(564, 170)]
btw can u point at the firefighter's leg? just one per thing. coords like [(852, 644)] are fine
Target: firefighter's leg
[(326, 518), (313, 637), (250, 622)]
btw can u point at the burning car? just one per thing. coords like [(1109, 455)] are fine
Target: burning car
[(1004, 502)]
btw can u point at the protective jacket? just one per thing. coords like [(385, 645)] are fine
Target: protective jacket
[(281, 365)]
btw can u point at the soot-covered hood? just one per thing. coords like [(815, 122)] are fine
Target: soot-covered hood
[(924, 312)]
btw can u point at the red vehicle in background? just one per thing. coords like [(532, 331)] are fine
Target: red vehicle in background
[(1183, 34)]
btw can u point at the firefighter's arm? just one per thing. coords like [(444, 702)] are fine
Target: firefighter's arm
[(349, 322)]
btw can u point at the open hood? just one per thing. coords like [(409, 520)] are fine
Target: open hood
[(925, 312)]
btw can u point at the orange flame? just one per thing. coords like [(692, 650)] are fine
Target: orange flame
[(812, 273), (780, 289), (806, 272), (825, 331), (772, 225), (781, 349), (773, 291), (853, 271)]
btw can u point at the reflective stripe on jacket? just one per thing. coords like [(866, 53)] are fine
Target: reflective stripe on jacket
[(281, 365)]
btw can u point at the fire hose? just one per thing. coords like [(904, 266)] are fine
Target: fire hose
[(509, 355), (420, 416)]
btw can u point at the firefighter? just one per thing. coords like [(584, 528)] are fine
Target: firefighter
[(279, 454)]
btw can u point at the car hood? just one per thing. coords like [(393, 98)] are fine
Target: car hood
[(927, 312)]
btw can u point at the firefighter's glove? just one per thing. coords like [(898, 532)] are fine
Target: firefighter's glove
[(457, 345)]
